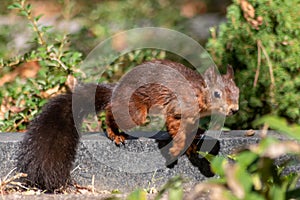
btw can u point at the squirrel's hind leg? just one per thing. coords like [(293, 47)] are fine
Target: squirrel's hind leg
[(112, 129), (175, 130)]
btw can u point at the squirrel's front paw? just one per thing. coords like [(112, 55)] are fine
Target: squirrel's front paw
[(118, 139), (174, 151)]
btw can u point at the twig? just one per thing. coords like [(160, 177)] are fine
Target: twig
[(93, 184), (258, 63), (52, 56), (264, 130), (9, 173), (34, 23), (41, 39), (35, 28), (272, 86), (20, 185), (77, 167), (269, 63), (7, 181), (20, 122)]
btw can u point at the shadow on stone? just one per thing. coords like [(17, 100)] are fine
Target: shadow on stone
[(201, 143), (205, 144)]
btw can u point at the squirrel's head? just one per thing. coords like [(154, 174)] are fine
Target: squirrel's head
[(223, 94)]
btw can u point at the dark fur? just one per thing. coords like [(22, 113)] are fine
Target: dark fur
[(49, 146)]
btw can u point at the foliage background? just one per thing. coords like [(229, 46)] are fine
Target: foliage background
[(260, 39), (266, 57), (41, 60)]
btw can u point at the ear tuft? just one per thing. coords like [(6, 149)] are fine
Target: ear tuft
[(230, 72), (210, 75)]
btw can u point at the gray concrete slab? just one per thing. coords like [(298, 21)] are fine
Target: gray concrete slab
[(138, 164)]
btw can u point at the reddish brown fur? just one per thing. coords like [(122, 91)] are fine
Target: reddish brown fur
[(49, 146), (155, 95)]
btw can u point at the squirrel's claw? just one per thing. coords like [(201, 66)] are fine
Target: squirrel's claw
[(119, 139)]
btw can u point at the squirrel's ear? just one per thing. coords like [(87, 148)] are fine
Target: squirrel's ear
[(230, 72), (210, 75)]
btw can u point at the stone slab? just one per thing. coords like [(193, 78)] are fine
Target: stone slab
[(138, 164)]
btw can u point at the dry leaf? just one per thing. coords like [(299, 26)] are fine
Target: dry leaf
[(213, 191), (119, 42), (250, 133), (71, 82), (282, 148), (232, 182), (50, 92), (192, 8), (249, 14), (26, 70)]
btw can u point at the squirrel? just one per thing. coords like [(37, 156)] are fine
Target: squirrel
[(48, 148)]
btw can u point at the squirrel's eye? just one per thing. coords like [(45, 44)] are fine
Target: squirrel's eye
[(217, 94)]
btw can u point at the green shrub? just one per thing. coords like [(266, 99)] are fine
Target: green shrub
[(107, 18), (261, 41), (260, 171), (22, 98)]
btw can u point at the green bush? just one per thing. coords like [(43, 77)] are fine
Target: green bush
[(261, 40), (58, 60), (22, 98), (106, 18), (260, 171)]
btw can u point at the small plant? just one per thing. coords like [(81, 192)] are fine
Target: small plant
[(256, 172), (173, 188), (55, 67), (53, 61)]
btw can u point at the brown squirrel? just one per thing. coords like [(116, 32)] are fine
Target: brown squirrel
[(49, 146)]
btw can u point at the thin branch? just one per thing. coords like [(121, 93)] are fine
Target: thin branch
[(9, 173), (269, 64), (7, 181), (258, 63), (36, 29), (272, 86), (52, 56)]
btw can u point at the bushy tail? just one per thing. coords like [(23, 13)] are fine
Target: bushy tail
[(49, 146)]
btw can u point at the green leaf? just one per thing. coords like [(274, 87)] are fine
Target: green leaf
[(244, 178), (42, 102), (138, 194), (292, 179), (174, 184), (254, 196), (246, 158), (37, 18), (277, 193), (217, 165), (23, 13), (280, 124), (46, 28), (176, 193), (28, 7), (15, 6), (206, 155), (115, 191)]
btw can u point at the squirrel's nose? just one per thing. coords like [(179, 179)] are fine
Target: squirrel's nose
[(233, 111)]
